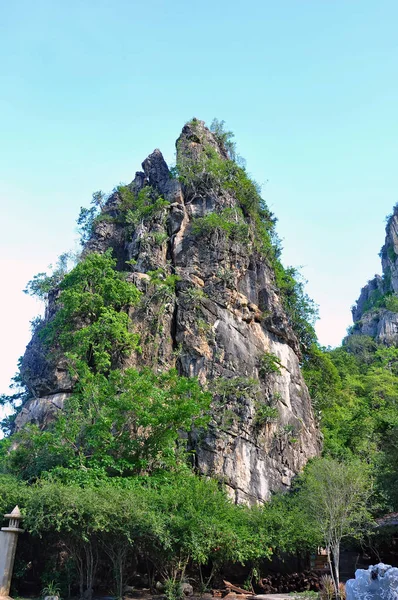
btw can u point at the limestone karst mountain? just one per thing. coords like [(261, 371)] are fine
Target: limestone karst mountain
[(375, 313), (221, 319)]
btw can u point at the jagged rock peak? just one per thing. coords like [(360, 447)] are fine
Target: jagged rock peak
[(223, 321), (194, 137), (156, 170)]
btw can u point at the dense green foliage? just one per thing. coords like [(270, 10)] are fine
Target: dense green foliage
[(117, 422), (124, 424), (355, 391), (230, 221), (92, 326), (117, 426), (141, 207), (167, 522), (42, 283)]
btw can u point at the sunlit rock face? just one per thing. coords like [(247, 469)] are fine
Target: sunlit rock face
[(223, 316), (379, 582)]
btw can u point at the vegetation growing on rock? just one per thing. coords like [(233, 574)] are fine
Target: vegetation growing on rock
[(251, 221)]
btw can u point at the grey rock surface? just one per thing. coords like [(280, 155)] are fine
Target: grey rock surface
[(374, 285), (40, 411), (381, 325), (187, 589)]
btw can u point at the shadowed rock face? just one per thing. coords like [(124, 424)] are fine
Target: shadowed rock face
[(370, 319), (224, 315)]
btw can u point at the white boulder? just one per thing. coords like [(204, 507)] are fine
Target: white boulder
[(379, 582)]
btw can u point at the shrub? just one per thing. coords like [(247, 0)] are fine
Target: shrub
[(327, 588), (42, 283), (51, 589), (87, 216), (269, 364), (173, 589), (223, 137), (228, 221), (92, 324), (391, 303), (168, 521), (141, 207), (265, 413)]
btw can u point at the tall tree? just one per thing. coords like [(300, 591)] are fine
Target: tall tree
[(334, 497)]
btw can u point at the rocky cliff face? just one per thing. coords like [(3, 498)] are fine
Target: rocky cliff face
[(223, 323), (375, 313)]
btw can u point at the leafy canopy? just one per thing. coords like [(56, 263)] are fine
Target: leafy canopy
[(42, 283), (355, 393), (127, 423), (92, 325)]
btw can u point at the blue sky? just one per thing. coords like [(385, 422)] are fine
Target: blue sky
[(89, 88)]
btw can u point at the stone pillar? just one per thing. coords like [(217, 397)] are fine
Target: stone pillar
[(8, 546)]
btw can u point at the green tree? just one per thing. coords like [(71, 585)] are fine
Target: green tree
[(42, 283), (224, 138), (172, 520), (335, 498), (321, 377), (91, 324), (128, 423), (355, 392), (87, 216)]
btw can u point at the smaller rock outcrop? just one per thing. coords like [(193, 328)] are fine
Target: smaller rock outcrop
[(374, 287), (375, 313)]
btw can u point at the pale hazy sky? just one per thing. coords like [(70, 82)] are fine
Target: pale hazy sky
[(309, 87)]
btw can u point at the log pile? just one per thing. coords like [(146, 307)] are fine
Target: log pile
[(290, 582), (271, 584)]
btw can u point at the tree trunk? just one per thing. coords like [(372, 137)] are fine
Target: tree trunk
[(336, 561), (91, 567), (334, 552), (332, 573)]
